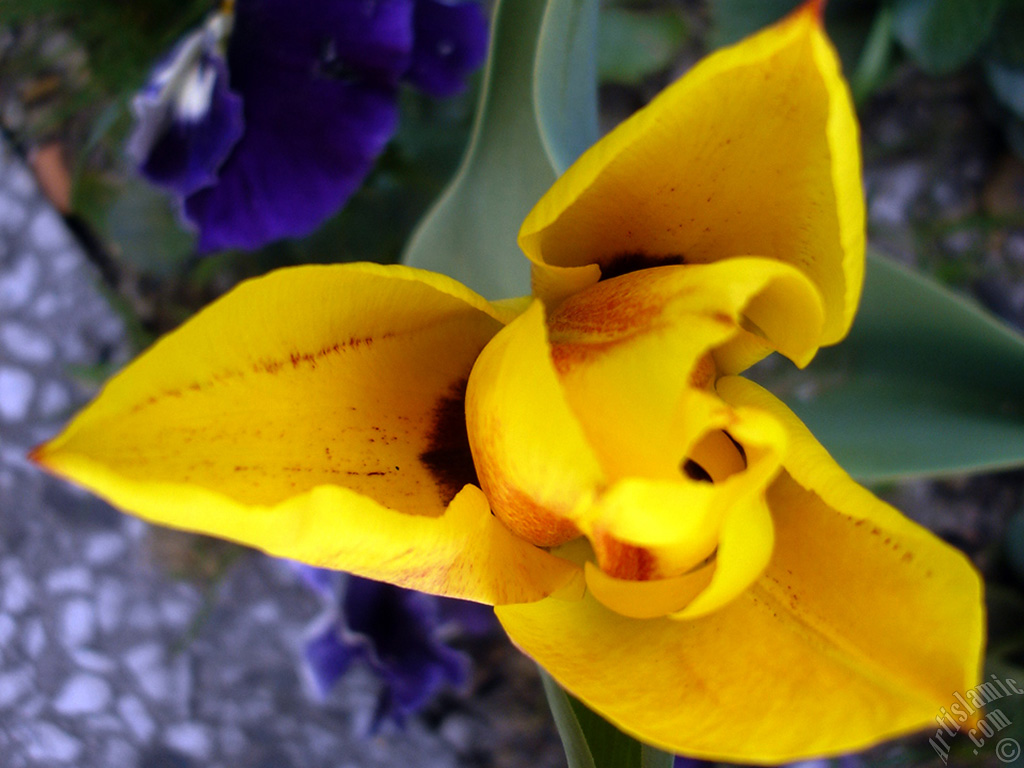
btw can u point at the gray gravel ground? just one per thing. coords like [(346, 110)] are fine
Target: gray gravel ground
[(106, 661)]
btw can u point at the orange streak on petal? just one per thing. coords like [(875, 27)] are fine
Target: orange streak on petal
[(518, 511)]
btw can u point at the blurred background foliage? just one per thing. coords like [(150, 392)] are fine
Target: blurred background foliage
[(68, 71)]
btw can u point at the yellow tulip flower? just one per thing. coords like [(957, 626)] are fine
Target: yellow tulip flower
[(660, 534)]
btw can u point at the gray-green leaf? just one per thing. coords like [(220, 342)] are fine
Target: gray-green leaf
[(636, 44), (565, 80), (537, 113), (590, 741), (926, 384), (470, 233), (943, 35)]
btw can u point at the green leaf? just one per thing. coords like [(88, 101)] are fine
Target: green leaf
[(875, 59), (565, 80), (1005, 44), (1007, 84), (577, 751), (470, 233), (146, 229), (634, 45), (926, 384), (943, 35), (590, 741), (1013, 129), (1014, 545), (732, 20)]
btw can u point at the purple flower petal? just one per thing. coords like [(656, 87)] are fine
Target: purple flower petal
[(468, 618), (328, 657), (187, 118), (310, 105), (317, 83), (450, 43), (400, 626), (321, 580), (365, 39), (308, 145), (394, 630)]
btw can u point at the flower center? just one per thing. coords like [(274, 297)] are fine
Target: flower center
[(714, 458)]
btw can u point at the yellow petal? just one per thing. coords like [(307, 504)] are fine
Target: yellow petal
[(646, 529), (749, 683), (532, 458), (861, 628), (754, 152), (627, 351), (923, 597), (653, 529), (647, 599), (745, 544), (315, 414)]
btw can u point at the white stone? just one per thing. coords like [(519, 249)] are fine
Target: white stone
[(14, 455), (47, 230), (18, 283), (103, 722), (91, 661), (457, 731), (180, 678), (176, 613), (14, 685), (135, 528), (73, 347), (33, 638), (143, 616), (77, 623), (76, 578), (18, 592), (109, 328), (63, 263), (18, 179), (15, 393), (152, 677), (45, 306), (892, 194), (46, 743), (136, 717), (25, 343), (54, 400), (34, 705), (266, 612), (12, 214), (119, 752), (7, 631), (83, 694), (191, 738), (104, 548), (109, 599), (232, 740)]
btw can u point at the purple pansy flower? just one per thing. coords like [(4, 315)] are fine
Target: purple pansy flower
[(264, 121), (399, 633)]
